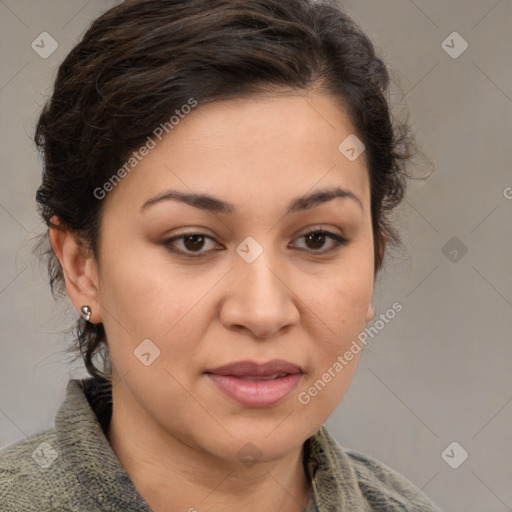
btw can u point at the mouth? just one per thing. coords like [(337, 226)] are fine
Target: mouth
[(270, 369), (255, 385)]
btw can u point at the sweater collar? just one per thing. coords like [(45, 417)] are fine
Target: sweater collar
[(86, 449), (82, 425)]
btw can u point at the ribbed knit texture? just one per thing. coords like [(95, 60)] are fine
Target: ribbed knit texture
[(71, 467)]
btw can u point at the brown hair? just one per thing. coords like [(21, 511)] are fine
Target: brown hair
[(141, 61)]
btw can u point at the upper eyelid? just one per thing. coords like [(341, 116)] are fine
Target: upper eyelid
[(310, 229)]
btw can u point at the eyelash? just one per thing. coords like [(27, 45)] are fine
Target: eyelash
[(339, 242)]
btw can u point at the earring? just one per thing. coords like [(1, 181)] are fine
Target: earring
[(86, 312)]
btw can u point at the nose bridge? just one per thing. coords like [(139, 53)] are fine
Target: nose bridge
[(256, 269), (258, 298)]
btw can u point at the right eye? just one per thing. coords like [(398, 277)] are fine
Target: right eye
[(192, 243)]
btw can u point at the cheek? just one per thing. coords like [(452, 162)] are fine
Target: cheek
[(337, 348), (337, 314), (146, 298), (139, 289), (341, 300)]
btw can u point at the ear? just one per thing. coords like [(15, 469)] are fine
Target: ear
[(79, 269), (371, 313), (381, 251), (382, 248)]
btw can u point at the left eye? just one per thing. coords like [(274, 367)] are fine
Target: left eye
[(319, 237), (194, 242)]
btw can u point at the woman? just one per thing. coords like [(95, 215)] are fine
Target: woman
[(217, 183)]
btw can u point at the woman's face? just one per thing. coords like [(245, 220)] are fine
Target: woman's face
[(253, 288)]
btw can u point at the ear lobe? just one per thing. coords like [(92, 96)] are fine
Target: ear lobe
[(79, 269), (371, 313)]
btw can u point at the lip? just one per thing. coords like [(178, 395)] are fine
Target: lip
[(251, 368), (242, 381)]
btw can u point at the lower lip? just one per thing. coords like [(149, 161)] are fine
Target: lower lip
[(262, 393)]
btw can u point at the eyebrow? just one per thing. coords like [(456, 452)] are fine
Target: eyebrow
[(213, 204)]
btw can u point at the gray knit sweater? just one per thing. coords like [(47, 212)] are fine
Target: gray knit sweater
[(71, 467)]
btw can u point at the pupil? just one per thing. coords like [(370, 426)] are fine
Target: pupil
[(198, 241), (318, 238)]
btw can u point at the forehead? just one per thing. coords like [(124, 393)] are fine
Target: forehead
[(264, 149)]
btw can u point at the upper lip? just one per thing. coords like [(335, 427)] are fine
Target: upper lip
[(253, 369)]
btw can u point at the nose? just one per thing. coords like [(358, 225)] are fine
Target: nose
[(259, 297)]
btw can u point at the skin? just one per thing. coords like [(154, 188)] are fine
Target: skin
[(175, 433)]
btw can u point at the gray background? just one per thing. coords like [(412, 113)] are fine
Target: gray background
[(441, 370)]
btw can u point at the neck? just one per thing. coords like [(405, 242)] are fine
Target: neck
[(175, 477)]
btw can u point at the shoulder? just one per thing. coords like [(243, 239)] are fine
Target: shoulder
[(386, 489), (35, 478), (362, 481), (22, 471)]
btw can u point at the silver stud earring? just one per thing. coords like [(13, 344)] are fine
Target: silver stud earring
[(86, 312)]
